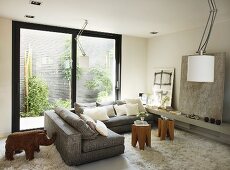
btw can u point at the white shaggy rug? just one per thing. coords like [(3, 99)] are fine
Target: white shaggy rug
[(187, 151)]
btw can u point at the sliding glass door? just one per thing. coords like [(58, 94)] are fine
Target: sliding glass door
[(96, 69), (45, 74), (50, 68)]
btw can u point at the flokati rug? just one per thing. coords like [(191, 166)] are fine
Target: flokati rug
[(187, 151)]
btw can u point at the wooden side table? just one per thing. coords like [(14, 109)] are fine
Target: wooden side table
[(165, 127), (142, 134)]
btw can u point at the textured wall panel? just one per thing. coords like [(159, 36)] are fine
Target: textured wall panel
[(203, 99)]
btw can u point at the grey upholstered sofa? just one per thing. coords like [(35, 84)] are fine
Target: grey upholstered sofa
[(74, 150)]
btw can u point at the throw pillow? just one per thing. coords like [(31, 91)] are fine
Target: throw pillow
[(98, 113), (101, 128), (89, 121), (109, 110), (76, 122), (120, 102), (138, 101), (79, 107), (120, 109), (132, 109), (86, 118), (105, 103)]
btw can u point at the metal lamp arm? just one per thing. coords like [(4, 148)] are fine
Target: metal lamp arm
[(78, 40), (210, 22)]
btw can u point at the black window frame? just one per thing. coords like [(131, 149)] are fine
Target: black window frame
[(17, 25)]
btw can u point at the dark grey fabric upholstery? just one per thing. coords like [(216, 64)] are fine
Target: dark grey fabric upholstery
[(101, 154), (69, 142), (76, 122), (113, 139), (124, 120), (120, 120)]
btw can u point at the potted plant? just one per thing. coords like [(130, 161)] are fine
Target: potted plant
[(142, 115)]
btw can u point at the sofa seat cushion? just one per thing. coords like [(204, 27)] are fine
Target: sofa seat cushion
[(125, 120), (120, 120), (101, 142)]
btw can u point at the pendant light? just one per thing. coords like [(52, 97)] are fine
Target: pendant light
[(201, 66)]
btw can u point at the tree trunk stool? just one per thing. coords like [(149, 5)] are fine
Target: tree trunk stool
[(142, 134), (165, 127)]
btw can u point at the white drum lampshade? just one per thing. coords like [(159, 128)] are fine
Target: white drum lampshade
[(201, 68)]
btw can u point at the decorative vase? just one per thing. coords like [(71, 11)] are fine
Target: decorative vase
[(212, 120), (206, 119), (142, 118), (218, 122)]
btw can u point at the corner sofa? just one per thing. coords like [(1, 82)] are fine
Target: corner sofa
[(73, 149)]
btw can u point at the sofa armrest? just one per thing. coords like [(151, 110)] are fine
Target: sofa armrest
[(68, 141)]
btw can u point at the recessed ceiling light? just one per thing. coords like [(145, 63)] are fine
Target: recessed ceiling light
[(153, 32), (38, 3), (29, 16)]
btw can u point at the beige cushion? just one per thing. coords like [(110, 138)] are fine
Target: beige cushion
[(87, 118), (101, 128), (138, 101), (89, 121), (98, 113), (132, 109), (120, 102), (76, 122), (120, 109), (79, 107), (109, 110)]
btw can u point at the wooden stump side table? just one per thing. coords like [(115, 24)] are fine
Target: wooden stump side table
[(142, 134), (165, 127)]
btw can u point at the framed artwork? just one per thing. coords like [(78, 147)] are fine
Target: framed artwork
[(162, 87)]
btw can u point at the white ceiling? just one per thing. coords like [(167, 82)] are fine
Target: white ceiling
[(130, 17)]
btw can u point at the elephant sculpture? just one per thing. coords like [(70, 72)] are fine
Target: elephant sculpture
[(28, 141)]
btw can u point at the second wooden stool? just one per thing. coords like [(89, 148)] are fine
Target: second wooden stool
[(165, 127)]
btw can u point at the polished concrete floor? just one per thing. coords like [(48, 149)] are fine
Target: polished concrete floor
[(115, 163)]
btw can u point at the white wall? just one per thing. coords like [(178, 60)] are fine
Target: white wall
[(167, 51), (133, 66), (5, 76)]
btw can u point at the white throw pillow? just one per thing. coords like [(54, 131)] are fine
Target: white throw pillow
[(120, 109), (132, 109), (109, 110), (98, 113), (138, 101), (101, 128)]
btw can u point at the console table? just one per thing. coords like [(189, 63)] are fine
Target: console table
[(220, 133)]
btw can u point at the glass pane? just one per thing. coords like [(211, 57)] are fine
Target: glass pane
[(95, 69), (45, 74)]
